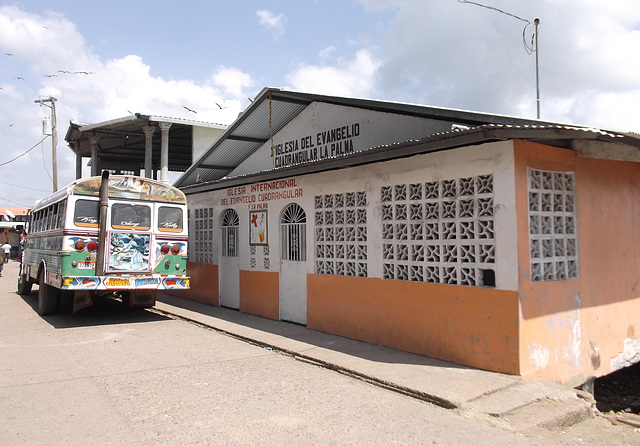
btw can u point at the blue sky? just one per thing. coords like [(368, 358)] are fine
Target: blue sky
[(157, 57)]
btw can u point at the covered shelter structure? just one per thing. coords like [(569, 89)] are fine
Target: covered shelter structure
[(157, 144)]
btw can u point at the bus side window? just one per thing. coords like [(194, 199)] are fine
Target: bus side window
[(169, 219), (86, 213), (61, 213)]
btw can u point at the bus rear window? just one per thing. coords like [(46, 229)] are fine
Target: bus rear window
[(129, 216), (86, 213), (169, 219)]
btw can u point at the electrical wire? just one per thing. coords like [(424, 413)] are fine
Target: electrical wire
[(44, 164), (495, 9), (528, 48), (14, 202), (24, 187), (23, 154)]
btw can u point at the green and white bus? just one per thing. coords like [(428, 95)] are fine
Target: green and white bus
[(121, 236)]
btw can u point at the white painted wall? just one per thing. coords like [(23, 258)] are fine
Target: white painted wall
[(203, 138), (375, 129), (493, 158)]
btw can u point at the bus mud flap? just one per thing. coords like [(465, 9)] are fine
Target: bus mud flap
[(81, 299), (143, 298)]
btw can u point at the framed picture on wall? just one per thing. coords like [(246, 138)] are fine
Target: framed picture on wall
[(258, 228)]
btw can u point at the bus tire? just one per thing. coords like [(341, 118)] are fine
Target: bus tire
[(24, 285), (47, 298)]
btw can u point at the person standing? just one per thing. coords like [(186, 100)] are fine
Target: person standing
[(7, 251)]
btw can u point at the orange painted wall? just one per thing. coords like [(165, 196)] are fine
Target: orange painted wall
[(570, 330), (260, 293), (204, 283), (467, 325)]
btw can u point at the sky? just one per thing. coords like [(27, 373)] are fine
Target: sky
[(106, 60)]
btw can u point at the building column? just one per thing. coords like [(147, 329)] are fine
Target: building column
[(164, 152), (148, 150), (74, 147), (94, 155)]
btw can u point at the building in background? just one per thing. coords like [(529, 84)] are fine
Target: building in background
[(496, 242), (12, 224)]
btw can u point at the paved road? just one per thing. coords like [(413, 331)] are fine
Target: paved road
[(109, 375)]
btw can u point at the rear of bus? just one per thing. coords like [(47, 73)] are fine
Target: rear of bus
[(145, 244)]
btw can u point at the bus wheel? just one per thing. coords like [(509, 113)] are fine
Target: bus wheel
[(24, 286), (47, 298)]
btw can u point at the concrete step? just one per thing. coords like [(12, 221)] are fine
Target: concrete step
[(526, 405)]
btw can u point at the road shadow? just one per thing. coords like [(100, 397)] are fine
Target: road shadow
[(300, 333), (104, 311)]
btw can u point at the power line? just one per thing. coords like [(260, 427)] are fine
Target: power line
[(44, 163), (24, 187), (23, 154), (496, 9), (14, 202)]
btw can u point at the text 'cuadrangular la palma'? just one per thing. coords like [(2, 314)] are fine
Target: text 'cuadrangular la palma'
[(335, 142)]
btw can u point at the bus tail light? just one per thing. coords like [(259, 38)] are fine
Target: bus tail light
[(79, 245), (175, 249), (92, 246)]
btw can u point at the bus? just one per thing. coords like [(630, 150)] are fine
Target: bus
[(117, 236)]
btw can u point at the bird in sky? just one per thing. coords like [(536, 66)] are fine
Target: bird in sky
[(9, 54), (64, 71), (83, 72), (50, 75), (220, 106), (187, 108), (19, 78)]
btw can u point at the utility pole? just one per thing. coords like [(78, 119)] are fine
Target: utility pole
[(54, 137), (536, 22)]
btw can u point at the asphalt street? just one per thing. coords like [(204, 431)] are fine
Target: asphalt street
[(110, 375)]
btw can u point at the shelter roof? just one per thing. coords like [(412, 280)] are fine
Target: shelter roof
[(122, 140)]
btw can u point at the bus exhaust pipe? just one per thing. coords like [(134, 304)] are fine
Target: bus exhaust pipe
[(103, 207)]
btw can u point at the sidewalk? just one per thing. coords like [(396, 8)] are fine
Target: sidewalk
[(499, 399)]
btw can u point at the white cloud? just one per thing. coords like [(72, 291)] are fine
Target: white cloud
[(463, 56), (49, 44), (233, 81), (354, 77), (273, 22)]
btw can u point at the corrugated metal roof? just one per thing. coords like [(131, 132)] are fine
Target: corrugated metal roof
[(556, 135), (273, 108)]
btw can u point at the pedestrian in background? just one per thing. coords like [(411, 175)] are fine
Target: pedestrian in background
[(6, 248)]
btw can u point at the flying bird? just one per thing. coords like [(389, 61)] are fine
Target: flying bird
[(50, 75), (187, 108), (220, 106), (19, 78), (64, 71), (9, 54), (83, 72)]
